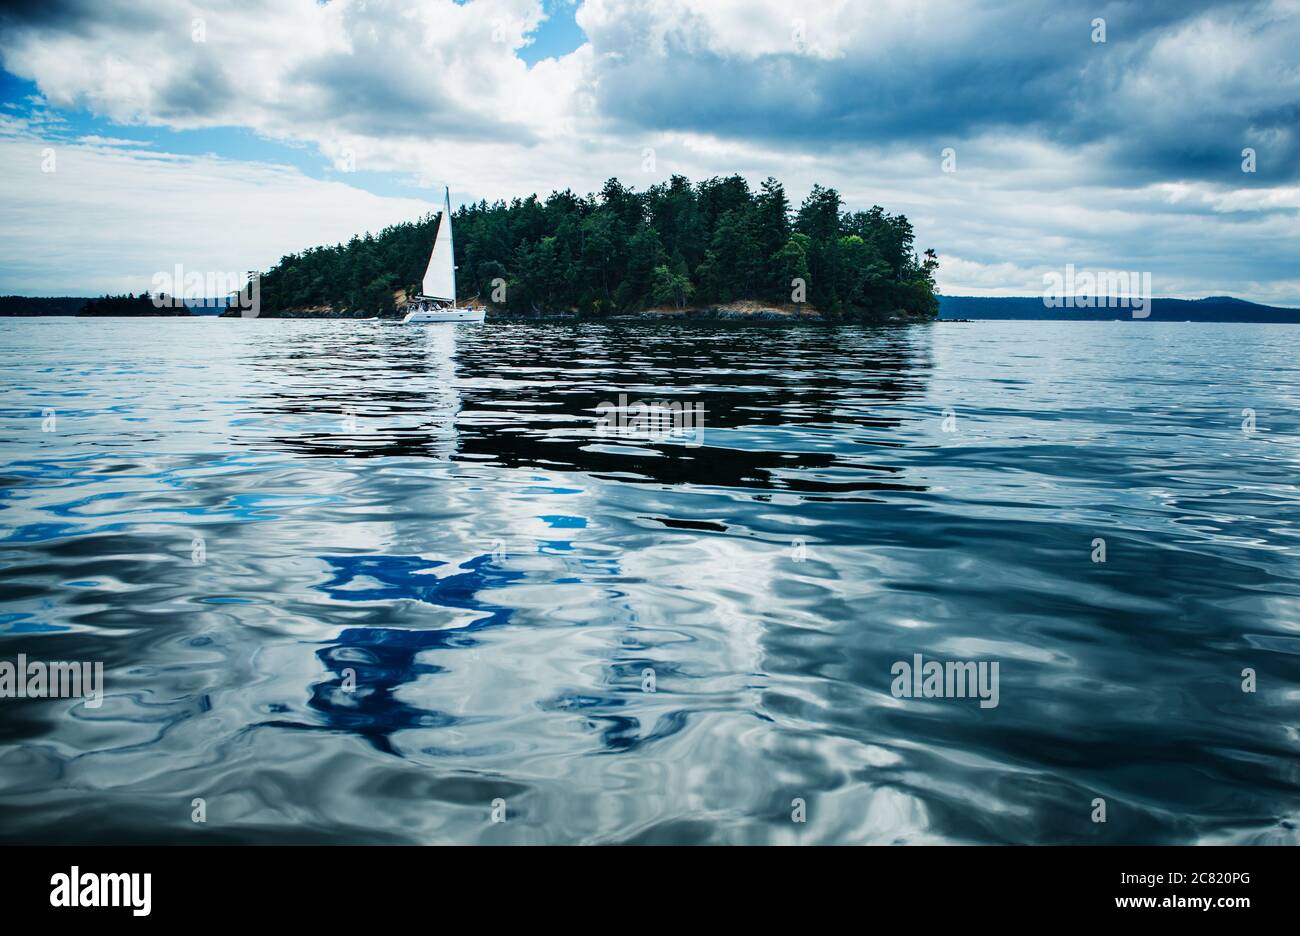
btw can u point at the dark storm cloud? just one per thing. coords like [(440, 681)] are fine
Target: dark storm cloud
[(1023, 69), (76, 17)]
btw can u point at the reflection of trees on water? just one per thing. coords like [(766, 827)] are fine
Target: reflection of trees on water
[(536, 407), (387, 390), (528, 398)]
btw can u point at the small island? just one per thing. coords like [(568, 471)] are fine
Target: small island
[(133, 305), (710, 250)]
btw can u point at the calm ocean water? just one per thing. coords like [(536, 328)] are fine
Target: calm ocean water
[(365, 582)]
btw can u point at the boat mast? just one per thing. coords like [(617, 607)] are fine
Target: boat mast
[(446, 206)]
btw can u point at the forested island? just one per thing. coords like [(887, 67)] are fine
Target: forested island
[(108, 306), (131, 304), (40, 305), (676, 246)]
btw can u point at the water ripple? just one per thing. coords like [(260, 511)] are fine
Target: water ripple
[(355, 582)]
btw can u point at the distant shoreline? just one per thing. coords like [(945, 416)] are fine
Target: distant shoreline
[(1221, 309), (1033, 308)]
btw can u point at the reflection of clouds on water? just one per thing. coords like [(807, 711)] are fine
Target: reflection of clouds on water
[(371, 663), (499, 579)]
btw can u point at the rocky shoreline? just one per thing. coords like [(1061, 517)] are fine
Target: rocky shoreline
[(730, 312), (762, 312)]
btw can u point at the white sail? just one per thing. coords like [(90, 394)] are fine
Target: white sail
[(440, 277)]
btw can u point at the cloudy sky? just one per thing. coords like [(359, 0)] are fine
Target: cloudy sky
[(140, 134)]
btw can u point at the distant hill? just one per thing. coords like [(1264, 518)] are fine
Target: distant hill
[(1209, 309)]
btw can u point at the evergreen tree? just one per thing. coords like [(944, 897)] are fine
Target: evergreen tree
[(772, 230), (791, 266)]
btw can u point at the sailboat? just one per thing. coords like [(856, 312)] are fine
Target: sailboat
[(437, 299)]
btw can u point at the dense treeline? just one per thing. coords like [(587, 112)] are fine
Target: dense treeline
[(675, 244), (131, 304), (41, 305)]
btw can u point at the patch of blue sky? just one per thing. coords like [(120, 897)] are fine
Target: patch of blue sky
[(21, 99), (556, 36)]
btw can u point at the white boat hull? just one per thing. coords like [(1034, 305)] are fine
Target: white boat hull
[(420, 316)]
